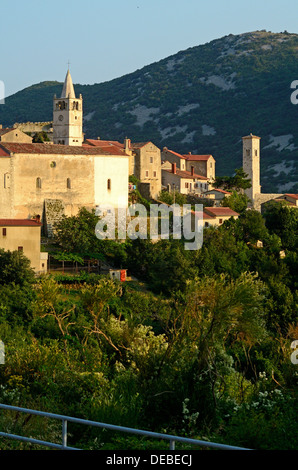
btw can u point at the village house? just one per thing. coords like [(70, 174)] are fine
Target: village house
[(24, 235), (203, 165), (11, 134), (211, 217), (188, 174), (290, 199), (183, 181), (216, 194), (144, 163)]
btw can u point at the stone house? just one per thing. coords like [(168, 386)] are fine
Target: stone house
[(183, 181), (144, 163), (203, 165), (12, 134), (213, 216), (24, 235)]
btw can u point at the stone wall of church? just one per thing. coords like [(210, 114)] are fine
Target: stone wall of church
[(5, 188), (40, 177)]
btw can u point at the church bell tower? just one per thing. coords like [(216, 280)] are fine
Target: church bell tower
[(251, 163), (68, 116)]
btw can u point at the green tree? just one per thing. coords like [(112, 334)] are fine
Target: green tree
[(41, 137), (15, 268), (236, 201), (283, 221), (238, 181), (76, 234)]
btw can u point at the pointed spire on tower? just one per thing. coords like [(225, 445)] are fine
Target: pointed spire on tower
[(68, 89)]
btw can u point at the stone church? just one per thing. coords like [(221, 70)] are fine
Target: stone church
[(60, 177)]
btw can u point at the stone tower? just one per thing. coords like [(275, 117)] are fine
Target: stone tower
[(68, 116), (251, 164)]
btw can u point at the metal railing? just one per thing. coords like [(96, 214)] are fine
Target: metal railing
[(65, 419)]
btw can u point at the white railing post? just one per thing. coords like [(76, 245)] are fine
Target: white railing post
[(64, 432)]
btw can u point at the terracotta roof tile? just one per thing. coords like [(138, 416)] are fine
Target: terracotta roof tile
[(194, 158), (186, 174), (220, 211), (174, 153), (49, 149), (19, 222), (5, 130)]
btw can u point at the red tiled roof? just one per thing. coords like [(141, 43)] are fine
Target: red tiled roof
[(102, 143), (5, 130), (186, 174), (138, 145), (55, 149), (220, 211), (219, 190), (174, 153), (293, 196), (205, 215), (196, 158), (19, 222), (3, 153)]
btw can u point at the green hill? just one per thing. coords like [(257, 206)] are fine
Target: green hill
[(201, 100)]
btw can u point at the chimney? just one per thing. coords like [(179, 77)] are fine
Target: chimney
[(126, 144), (174, 168), (192, 169)]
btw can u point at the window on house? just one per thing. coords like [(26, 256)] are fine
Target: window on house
[(206, 224), (38, 183), (68, 183), (4, 232), (186, 185), (151, 159), (109, 185), (147, 173), (6, 181), (20, 248), (154, 174), (220, 221)]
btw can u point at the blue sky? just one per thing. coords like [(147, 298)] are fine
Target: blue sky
[(107, 39)]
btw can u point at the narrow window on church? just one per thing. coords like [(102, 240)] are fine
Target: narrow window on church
[(38, 183), (256, 153), (109, 184), (247, 152), (68, 183), (4, 232)]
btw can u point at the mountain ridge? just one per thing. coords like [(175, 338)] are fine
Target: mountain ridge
[(201, 100)]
